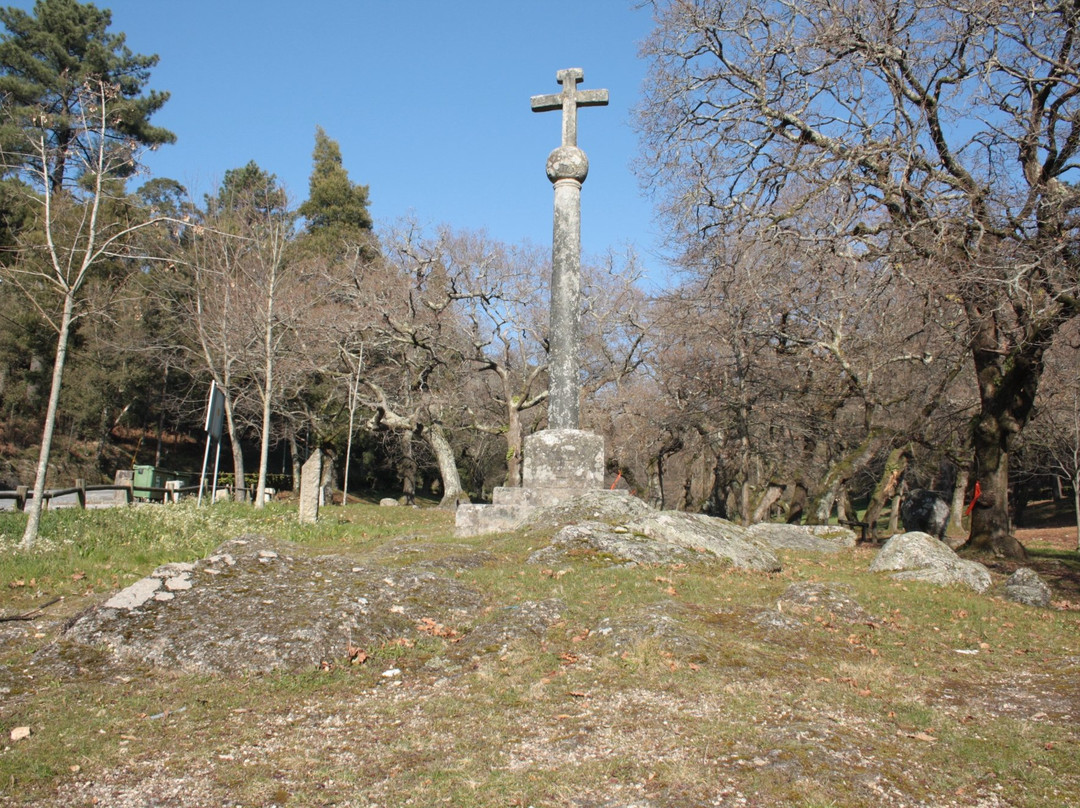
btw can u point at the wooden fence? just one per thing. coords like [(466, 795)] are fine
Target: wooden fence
[(22, 494)]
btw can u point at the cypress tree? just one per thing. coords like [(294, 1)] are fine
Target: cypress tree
[(336, 211)]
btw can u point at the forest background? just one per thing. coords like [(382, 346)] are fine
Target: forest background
[(872, 212)]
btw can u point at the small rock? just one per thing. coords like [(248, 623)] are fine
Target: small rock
[(173, 569), (20, 733), (1025, 586), (178, 583), (388, 502), (135, 595)]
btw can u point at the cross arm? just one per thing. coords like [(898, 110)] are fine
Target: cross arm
[(583, 98)]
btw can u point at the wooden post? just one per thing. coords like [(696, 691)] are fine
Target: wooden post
[(20, 497), (80, 484)]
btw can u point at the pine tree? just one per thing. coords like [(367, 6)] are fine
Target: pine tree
[(46, 59)]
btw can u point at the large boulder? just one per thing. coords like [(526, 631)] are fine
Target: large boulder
[(613, 544), (926, 512), (696, 531), (813, 538), (637, 521), (919, 556)]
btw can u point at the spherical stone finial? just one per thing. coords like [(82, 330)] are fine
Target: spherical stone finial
[(567, 163)]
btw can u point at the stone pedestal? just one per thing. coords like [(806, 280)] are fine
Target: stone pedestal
[(564, 458), (559, 464)]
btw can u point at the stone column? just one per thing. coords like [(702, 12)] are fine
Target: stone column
[(567, 168)]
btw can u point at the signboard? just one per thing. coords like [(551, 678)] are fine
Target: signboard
[(215, 411)]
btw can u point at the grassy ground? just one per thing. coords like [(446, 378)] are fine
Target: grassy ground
[(944, 698)]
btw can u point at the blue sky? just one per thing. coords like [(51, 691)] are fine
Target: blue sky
[(429, 100)]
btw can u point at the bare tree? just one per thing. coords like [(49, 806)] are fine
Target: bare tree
[(81, 224), (421, 350), (949, 129), (1054, 435)]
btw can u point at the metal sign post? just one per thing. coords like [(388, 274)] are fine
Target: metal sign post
[(215, 411)]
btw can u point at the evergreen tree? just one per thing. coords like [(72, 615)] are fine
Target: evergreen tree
[(247, 195), (46, 59), (336, 211)]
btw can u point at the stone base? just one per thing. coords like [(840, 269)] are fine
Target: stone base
[(559, 465), (563, 458)]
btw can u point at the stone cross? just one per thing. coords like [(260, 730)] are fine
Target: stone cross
[(567, 167), (569, 100)]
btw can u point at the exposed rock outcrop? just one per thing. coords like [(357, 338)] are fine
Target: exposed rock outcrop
[(921, 557)]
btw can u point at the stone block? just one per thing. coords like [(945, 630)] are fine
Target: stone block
[(310, 488), (475, 520), (564, 458)]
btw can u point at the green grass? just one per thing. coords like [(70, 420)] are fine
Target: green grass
[(805, 718)]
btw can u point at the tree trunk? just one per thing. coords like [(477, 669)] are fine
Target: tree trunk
[(844, 511), (894, 515), (267, 388), (796, 504), (161, 414), (34, 519), (326, 478), (239, 494), (453, 493), (769, 497), (839, 474), (895, 466), (1007, 385), (956, 512), (1076, 505), (513, 446), (294, 460), (408, 467)]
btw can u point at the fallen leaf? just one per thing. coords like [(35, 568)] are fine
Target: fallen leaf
[(78, 576), (429, 626)]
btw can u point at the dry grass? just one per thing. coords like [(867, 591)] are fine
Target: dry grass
[(946, 698)]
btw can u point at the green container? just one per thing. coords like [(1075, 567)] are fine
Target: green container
[(144, 478)]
